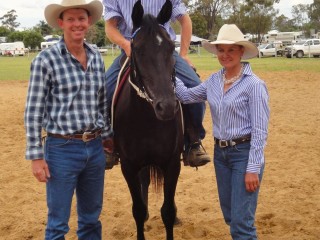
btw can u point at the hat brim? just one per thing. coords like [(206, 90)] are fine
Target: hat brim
[(53, 11), (251, 50)]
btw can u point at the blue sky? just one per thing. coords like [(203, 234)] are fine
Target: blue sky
[(30, 12)]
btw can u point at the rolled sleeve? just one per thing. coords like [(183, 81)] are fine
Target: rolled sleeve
[(178, 9), (111, 9)]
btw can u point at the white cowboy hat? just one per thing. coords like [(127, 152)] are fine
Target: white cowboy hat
[(231, 34), (52, 11)]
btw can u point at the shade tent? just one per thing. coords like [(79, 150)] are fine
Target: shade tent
[(194, 39)]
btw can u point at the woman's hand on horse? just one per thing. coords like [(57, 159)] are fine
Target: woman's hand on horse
[(108, 145)]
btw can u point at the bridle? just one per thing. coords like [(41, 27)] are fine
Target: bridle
[(134, 73), (139, 87)]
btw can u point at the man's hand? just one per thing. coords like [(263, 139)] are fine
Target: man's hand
[(40, 170), (108, 145), (252, 182)]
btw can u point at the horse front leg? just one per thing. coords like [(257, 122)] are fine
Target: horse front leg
[(144, 177), (168, 209), (139, 209)]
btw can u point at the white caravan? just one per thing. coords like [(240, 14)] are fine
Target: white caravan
[(12, 49)]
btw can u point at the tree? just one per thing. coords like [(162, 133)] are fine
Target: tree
[(101, 39), (210, 9), (32, 39), (258, 16), (283, 24), (314, 14), (199, 25), (15, 36), (9, 20), (4, 31), (300, 15), (43, 28)]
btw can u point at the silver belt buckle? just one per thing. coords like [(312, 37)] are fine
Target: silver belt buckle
[(85, 136), (223, 143)]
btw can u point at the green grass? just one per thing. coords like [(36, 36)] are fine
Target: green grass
[(18, 68)]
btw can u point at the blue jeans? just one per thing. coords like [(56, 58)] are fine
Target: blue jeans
[(75, 166), (238, 205), (183, 72)]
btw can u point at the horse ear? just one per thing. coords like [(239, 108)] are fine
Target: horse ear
[(165, 13), (137, 14)]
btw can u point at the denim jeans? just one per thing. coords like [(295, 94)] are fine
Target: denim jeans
[(75, 166), (183, 71), (238, 205)]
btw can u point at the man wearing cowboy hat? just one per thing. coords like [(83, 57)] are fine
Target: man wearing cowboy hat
[(238, 101), (67, 99)]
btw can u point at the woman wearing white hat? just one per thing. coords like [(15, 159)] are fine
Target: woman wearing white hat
[(67, 99), (238, 102)]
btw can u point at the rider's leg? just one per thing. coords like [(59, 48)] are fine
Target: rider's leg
[(111, 82), (195, 154)]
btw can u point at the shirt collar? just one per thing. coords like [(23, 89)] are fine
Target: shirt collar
[(63, 48)]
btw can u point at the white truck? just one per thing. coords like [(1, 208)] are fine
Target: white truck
[(309, 47), (270, 49)]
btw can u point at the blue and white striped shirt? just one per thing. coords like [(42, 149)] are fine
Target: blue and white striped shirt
[(122, 9), (63, 98), (240, 111)]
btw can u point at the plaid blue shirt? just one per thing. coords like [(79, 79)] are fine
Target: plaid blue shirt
[(240, 111), (63, 98), (122, 9)]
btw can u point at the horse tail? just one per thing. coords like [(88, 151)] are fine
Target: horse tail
[(156, 177)]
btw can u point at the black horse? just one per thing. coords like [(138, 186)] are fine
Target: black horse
[(147, 117)]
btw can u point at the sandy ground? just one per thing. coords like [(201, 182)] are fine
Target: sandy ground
[(289, 203)]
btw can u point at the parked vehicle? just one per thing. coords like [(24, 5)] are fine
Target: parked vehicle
[(271, 49), (306, 47), (45, 45), (12, 49), (102, 50), (287, 38)]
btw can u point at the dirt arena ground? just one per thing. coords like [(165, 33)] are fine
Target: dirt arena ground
[(289, 203)]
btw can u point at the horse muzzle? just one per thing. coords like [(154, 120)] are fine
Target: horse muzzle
[(166, 109)]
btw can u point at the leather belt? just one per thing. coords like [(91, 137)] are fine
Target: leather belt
[(85, 136), (232, 142)]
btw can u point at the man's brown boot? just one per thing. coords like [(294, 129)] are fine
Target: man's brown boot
[(196, 156)]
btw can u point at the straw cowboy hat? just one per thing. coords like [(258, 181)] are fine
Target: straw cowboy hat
[(52, 11), (231, 34)]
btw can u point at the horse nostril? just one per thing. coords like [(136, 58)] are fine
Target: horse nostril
[(159, 107)]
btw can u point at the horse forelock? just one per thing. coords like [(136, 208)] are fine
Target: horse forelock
[(151, 29)]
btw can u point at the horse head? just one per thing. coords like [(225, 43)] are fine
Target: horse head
[(152, 60)]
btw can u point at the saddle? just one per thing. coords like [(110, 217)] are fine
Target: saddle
[(113, 158)]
